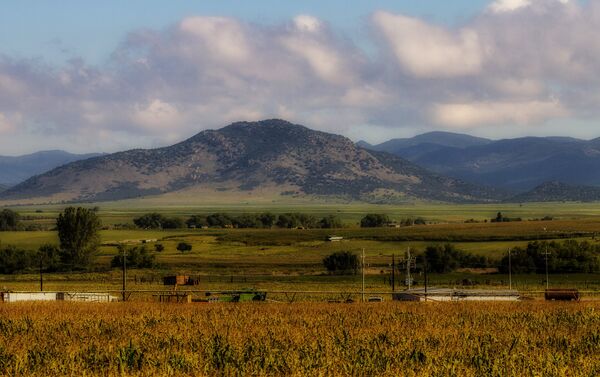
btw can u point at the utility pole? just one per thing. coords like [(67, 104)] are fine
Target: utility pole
[(393, 272), (426, 268), (546, 257), (408, 263), (124, 274), (509, 271), (363, 275), (41, 274)]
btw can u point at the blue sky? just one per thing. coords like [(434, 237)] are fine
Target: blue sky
[(59, 30), (111, 75)]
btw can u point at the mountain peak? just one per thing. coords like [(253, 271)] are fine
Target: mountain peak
[(247, 157)]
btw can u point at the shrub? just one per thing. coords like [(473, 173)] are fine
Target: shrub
[(342, 262), (184, 246), (137, 257), (374, 220), (9, 220)]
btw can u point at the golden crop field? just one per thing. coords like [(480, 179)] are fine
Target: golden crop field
[(377, 339)]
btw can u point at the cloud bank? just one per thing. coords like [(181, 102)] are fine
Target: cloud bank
[(519, 63)]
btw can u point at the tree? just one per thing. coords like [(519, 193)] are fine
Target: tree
[(78, 232), (13, 259), (330, 222), (9, 220), (341, 262), (49, 257), (196, 221), (374, 220), (137, 257), (184, 246), (267, 219), (149, 221)]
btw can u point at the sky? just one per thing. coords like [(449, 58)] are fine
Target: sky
[(103, 76)]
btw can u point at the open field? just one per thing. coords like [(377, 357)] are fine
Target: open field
[(351, 213), (284, 259), (383, 339)]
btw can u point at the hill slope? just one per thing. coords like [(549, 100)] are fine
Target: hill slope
[(558, 191), (247, 156), (14, 170), (515, 164)]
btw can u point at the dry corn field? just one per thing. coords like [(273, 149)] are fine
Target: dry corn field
[(460, 339)]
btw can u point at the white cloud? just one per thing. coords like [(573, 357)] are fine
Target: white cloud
[(6, 126), (502, 6), (531, 64), (430, 51), (468, 115), (157, 115), (307, 23)]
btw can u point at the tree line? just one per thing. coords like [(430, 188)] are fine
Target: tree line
[(223, 220), (569, 256)]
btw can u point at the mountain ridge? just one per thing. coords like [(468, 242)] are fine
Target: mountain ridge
[(248, 156), (16, 169), (518, 164)]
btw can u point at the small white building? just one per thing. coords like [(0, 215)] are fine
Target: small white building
[(56, 296), (451, 294)]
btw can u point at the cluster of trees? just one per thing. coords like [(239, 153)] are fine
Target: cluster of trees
[(223, 220), (447, 258), (157, 221), (9, 220), (378, 220), (500, 218), (79, 240), (342, 262), (563, 257), (135, 257)]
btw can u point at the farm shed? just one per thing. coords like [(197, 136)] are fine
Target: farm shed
[(27, 296), (176, 280), (561, 294), (450, 294), (55, 296)]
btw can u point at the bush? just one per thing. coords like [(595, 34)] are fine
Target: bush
[(330, 222), (9, 220), (13, 259), (566, 257), (447, 258), (184, 246), (342, 262), (159, 247), (296, 220), (374, 220), (137, 257), (157, 221)]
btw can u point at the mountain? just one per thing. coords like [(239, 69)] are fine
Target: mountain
[(3, 188), (248, 157), (518, 164), (558, 191), (14, 170)]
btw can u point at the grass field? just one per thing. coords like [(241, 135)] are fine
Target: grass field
[(383, 339), (281, 259)]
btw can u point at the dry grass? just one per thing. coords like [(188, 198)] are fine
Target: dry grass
[(466, 339)]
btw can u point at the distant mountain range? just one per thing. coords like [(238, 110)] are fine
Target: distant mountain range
[(14, 170), (558, 191), (280, 159), (272, 155), (518, 165)]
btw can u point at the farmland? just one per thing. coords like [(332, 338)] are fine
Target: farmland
[(305, 333), (384, 339), (291, 259)]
